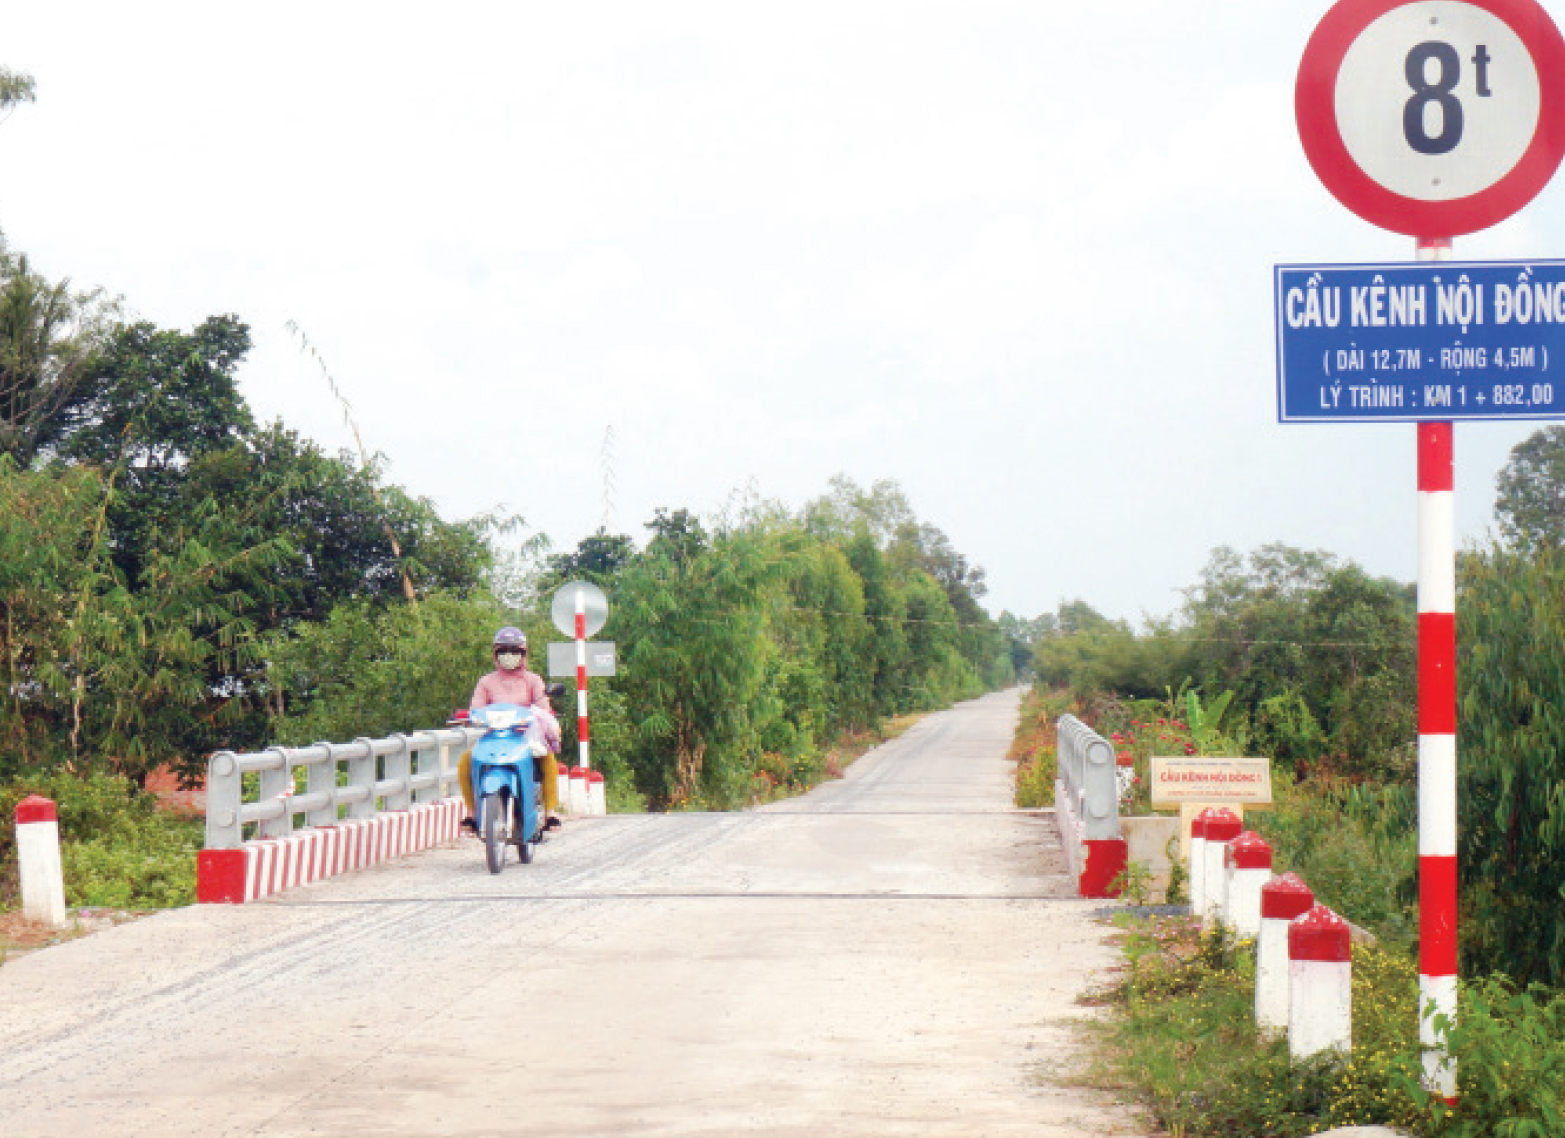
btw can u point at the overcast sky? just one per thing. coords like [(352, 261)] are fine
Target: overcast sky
[(1015, 256)]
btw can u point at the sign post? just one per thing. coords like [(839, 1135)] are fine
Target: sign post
[(579, 609), (1434, 118)]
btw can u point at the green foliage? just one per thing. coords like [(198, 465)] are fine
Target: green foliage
[(1530, 504), (1356, 847), (1319, 656), (1203, 720), (97, 664), (15, 87), (116, 849), (368, 671), (1035, 780), (1034, 748), (1183, 1041), (49, 337), (1511, 738), (1510, 1049), (1286, 730)]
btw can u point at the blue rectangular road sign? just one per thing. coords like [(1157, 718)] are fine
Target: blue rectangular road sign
[(1420, 342)]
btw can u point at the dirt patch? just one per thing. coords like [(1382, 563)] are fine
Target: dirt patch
[(20, 936)]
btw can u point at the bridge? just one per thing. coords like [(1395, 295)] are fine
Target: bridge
[(897, 952)]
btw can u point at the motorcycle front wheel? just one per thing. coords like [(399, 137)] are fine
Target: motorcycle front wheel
[(495, 831)]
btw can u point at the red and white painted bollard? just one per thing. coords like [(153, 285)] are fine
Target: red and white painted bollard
[(1282, 899), (38, 860), (597, 794), (1437, 899), (578, 792), (1247, 869), (1221, 828), (1197, 861), (1320, 984)]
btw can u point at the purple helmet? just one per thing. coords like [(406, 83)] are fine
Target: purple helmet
[(509, 637)]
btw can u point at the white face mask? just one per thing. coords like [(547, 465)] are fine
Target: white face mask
[(509, 661)]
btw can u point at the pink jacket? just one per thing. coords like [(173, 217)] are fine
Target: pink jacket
[(525, 689)]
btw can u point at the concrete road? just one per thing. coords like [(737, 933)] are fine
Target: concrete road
[(894, 954)]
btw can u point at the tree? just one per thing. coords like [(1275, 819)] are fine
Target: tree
[(155, 398), (102, 668), (692, 617), (599, 558), (1530, 504), (1511, 739), (335, 515), (49, 336), (15, 89)]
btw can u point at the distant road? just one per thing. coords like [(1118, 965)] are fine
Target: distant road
[(893, 954)]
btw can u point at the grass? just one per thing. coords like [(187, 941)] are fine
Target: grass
[(1033, 750), (1182, 1042)]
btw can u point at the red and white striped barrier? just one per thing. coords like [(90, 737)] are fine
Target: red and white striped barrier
[(38, 860), (597, 794), (563, 788), (1282, 899), (1320, 984), (1222, 827), (1246, 870), (261, 868)]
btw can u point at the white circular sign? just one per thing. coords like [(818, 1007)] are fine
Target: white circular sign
[(592, 602), (1433, 117), (1437, 101)]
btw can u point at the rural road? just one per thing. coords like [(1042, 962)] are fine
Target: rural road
[(893, 954)]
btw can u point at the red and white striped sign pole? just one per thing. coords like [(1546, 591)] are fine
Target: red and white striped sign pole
[(1436, 734), (583, 735)]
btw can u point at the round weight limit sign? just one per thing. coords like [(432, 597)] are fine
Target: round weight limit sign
[(1433, 118)]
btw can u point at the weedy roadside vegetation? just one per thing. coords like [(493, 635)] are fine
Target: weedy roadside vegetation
[(1034, 747), (1181, 1040), (117, 849)]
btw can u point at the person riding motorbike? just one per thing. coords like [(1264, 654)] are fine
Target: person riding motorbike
[(511, 682)]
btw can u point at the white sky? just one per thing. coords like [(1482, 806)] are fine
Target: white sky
[(1015, 256)]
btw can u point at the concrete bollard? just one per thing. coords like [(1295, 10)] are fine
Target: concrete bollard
[(578, 791), (597, 794), (38, 860), (1246, 870), (1221, 828), (1197, 861), (1282, 899), (563, 788), (1320, 984)]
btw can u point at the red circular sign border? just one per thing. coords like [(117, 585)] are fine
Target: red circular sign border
[(1315, 111)]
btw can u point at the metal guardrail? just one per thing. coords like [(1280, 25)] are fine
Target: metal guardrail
[(1086, 769), (395, 773)]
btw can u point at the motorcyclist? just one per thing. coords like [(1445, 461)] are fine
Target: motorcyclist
[(511, 682)]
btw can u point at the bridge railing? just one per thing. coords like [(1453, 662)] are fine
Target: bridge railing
[(343, 782), (1086, 807)]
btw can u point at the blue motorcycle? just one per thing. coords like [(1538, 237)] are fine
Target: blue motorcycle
[(505, 783)]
